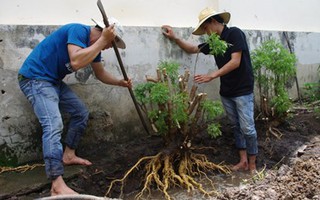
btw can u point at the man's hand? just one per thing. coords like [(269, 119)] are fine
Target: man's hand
[(203, 78), (168, 32), (108, 34), (125, 83)]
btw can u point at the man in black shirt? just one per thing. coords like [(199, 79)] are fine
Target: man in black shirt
[(236, 79)]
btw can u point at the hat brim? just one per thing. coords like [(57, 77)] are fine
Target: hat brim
[(224, 15), (120, 43), (118, 40)]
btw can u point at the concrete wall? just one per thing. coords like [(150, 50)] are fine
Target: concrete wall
[(112, 112), (284, 15)]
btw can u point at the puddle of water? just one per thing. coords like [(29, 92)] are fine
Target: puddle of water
[(221, 183), (236, 179)]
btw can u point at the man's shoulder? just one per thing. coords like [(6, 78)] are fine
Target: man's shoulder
[(234, 32), (72, 28), (77, 25), (234, 29)]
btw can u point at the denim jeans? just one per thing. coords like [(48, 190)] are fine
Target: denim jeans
[(47, 99), (240, 111)]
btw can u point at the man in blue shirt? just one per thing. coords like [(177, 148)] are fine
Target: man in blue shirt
[(68, 49), (236, 79)]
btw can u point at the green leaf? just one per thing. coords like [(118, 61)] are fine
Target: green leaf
[(217, 46)]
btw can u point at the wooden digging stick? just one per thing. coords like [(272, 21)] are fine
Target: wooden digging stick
[(106, 23)]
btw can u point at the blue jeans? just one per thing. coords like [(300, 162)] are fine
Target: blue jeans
[(47, 99), (240, 111)]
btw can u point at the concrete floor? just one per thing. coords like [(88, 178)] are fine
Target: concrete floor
[(22, 183)]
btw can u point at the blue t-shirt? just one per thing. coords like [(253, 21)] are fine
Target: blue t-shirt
[(50, 59)]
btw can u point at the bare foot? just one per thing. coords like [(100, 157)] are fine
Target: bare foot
[(62, 191), (241, 166), (70, 158), (59, 187), (252, 167), (252, 163), (75, 160)]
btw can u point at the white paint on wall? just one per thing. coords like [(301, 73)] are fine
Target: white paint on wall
[(286, 15), (181, 13)]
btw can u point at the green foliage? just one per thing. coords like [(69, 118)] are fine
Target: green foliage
[(159, 93), (179, 113), (172, 68), (167, 105), (213, 109), (312, 94), (159, 119), (214, 130), (142, 92), (282, 103), (273, 67), (273, 64), (217, 46), (154, 93), (312, 91)]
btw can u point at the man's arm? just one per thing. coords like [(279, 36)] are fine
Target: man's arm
[(108, 78), (228, 67), (81, 57), (184, 45)]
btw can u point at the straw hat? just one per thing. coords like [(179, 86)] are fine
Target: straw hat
[(118, 28), (206, 14)]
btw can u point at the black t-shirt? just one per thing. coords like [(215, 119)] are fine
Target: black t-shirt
[(240, 81)]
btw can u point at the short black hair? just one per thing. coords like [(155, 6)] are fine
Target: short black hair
[(98, 27), (218, 18)]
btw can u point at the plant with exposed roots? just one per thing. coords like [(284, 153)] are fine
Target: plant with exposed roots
[(274, 67), (178, 115)]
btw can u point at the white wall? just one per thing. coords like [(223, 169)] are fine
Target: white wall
[(128, 12), (286, 15)]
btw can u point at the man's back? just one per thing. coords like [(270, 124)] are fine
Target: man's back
[(50, 59)]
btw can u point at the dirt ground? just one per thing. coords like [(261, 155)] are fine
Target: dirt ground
[(292, 163), (289, 168)]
